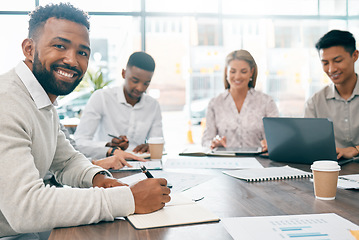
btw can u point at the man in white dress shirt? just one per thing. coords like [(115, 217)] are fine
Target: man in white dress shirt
[(124, 111)]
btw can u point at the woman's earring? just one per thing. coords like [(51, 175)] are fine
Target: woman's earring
[(250, 79)]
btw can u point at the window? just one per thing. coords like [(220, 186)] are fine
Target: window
[(103, 6), (190, 39)]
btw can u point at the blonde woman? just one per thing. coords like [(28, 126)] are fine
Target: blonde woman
[(234, 118)]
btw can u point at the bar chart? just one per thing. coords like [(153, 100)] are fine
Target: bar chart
[(326, 226)]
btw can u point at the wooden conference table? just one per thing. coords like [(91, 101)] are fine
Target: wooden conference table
[(226, 196)]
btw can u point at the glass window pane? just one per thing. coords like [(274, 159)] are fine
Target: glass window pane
[(167, 41), (207, 32), (288, 63), (17, 5), (104, 6), (10, 47), (113, 39), (354, 29), (273, 7), (190, 6), (353, 7), (333, 7)]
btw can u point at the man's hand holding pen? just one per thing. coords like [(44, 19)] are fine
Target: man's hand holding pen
[(120, 141), (150, 194)]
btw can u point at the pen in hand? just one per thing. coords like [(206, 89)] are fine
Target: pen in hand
[(146, 172), (149, 175), (111, 135)]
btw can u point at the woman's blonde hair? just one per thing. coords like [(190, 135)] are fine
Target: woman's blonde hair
[(245, 56)]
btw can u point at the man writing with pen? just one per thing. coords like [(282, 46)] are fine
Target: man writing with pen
[(123, 117)]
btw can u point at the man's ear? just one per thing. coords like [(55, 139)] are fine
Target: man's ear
[(123, 73), (355, 55), (28, 49)]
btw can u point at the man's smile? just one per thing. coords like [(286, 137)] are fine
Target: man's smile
[(66, 74)]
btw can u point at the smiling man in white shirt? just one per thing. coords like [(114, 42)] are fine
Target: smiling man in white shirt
[(339, 101), (125, 111)]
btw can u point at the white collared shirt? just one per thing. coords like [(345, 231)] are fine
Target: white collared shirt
[(327, 103), (107, 112), (36, 91)]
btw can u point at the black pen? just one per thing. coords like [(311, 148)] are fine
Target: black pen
[(149, 175), (145, 171), (114, 136)]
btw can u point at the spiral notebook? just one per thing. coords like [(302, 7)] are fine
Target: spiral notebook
[(268, 174)]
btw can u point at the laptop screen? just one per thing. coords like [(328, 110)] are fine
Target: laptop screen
[(300, 140)]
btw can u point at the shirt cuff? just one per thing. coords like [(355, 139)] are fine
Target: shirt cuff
[(122, 201), (90, 174)]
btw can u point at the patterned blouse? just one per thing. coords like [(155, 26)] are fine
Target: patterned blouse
[(243, 129)]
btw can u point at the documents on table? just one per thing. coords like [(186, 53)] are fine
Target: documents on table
[(349, 181), (141, 155), (267, 174), (150, 164), (307, 226), (180, 210), (179, 181), (212, 162)]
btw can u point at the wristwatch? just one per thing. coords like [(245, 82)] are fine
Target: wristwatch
[(112, 151), (103, 173)]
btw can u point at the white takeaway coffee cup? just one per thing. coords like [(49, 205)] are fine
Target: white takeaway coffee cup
[(325, 175)]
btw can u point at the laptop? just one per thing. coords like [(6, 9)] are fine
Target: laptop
[(300, 140), (237, 150)]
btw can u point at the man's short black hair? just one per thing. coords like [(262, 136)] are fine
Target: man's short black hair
[(40, 15), (141, 60), (337, 38)]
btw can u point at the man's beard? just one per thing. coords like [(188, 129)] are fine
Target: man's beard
[(48, 81)]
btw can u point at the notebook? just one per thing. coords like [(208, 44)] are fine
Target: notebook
[(268, 174), (181, 210), (300, 140)]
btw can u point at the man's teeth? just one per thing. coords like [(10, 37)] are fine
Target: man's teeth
[(65, 74)]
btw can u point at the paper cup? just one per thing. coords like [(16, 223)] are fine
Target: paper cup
[(156, 147), (325, 175)]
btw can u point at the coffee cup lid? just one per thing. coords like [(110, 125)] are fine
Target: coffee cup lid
[(329, 166), (156, 140)]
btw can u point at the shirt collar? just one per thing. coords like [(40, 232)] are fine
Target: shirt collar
[(227, 93), (122, 98), (333, 93), (356, 88), (36, 91)]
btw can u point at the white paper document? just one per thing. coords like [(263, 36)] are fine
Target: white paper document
[(178, 181), (141, 155), (349, 181), (212, 162), (326, 226), (150, 165)]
